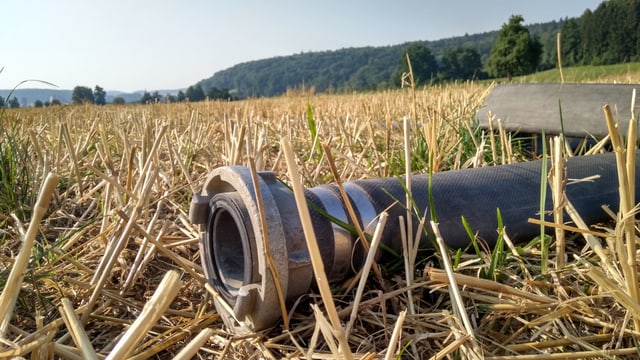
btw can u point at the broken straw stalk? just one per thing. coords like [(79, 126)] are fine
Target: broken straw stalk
[(14, 281)]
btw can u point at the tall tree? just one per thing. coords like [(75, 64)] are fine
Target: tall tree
[(461, 63), (610, 34), (195, 93), (99, 96), (146, 98), (150, 97), (219, 94), (156, 97), (82, 94), (14, 103), (570, 41), (1, 101), (423, 65), (515, 52)]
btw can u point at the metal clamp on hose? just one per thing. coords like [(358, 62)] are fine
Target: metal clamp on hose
[(233, 245)]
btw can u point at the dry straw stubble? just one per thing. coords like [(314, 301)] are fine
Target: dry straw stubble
[(117, 224)]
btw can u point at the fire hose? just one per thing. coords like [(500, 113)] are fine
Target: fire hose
[(234, 246)]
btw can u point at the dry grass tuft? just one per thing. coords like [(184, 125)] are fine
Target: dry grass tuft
[(112, 262)]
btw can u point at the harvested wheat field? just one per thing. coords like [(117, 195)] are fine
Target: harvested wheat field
[(98, 258)]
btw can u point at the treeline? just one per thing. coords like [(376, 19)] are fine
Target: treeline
[(607, 35), (98, 96), (193, 93), (12, 103)]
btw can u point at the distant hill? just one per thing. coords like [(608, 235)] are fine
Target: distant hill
[(27, 97), (364, 68)]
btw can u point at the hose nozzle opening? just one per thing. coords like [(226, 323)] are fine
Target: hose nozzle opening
[(231, 245)]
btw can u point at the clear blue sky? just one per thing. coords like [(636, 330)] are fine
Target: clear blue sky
[(132, 45)]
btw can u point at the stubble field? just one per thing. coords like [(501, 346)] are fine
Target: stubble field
[(115, 236)]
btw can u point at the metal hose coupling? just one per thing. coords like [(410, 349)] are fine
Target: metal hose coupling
[(234, 246)]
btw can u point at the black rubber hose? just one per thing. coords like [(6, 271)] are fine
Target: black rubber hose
[(234, 238), (514, 189)]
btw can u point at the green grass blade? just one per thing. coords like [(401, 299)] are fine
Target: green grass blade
[(432, 203), (544, 245), (564, 138), (498, 255), (313, 130), (473, 240)]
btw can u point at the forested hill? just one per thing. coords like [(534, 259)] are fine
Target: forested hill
[(610, 34), (362, 68)]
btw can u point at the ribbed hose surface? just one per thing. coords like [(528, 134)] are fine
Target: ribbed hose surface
[(514, 189)]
